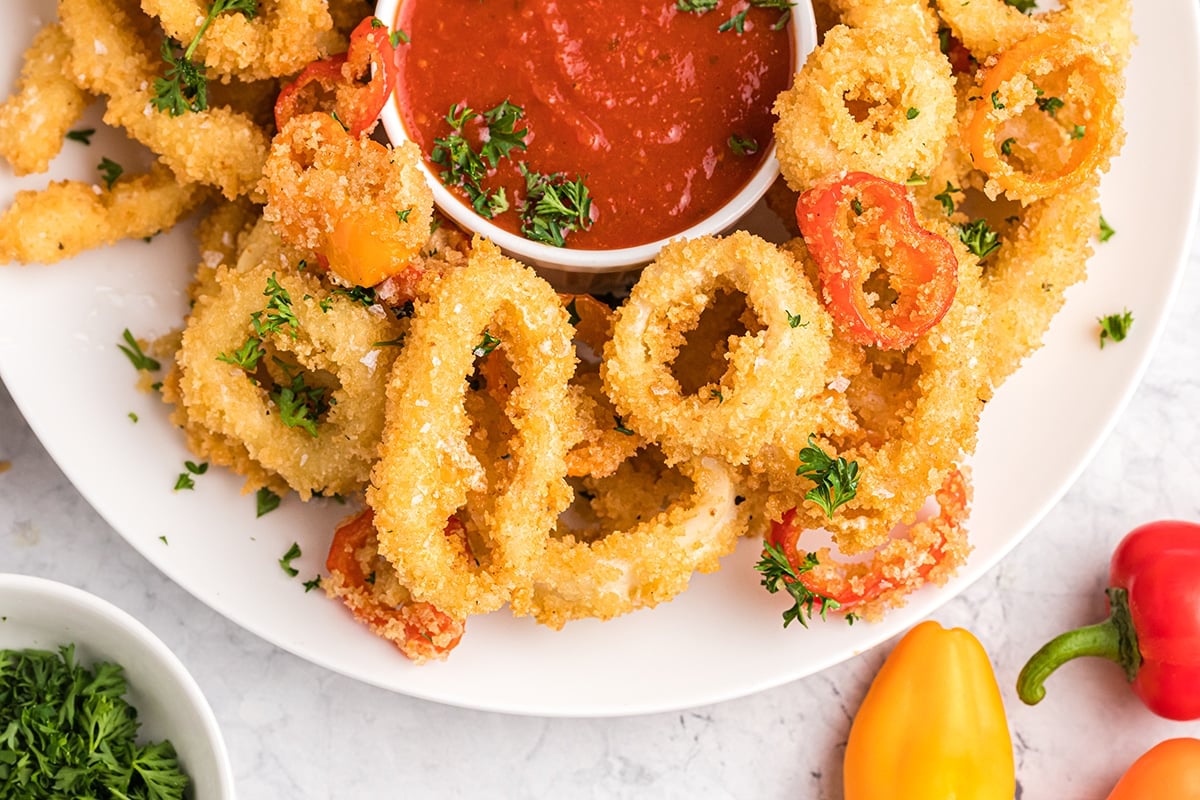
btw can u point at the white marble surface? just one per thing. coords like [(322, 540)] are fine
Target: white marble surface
[(297, 731)]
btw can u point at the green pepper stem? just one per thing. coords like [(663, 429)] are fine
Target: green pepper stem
[(1114, 639)]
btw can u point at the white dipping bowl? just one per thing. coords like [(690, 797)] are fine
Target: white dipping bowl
[(595, 271), (36, 613)]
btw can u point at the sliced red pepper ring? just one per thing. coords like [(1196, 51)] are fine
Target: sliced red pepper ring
[(1153, 630), (419, 630), (1089, 125), (354, 86), (931, 550), (859, 227)]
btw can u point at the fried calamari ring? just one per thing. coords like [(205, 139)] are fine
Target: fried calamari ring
[(292, 371), (987, 27), (1026, 281), (1030, 149), (934, 403), (362, 206), (601, 445), (911, 18), (769, 372), (643, 565), (281, 39), (108, 57), (882, 75), (220, 235), (492, 308), (419, 630), (34, 120), (69, 217), (931, 552)]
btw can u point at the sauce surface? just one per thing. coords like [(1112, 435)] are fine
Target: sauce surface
[(634, 96)]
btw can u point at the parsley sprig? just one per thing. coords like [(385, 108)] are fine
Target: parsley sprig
[(778, 571), (184, 86), (979, 238), (836, 479), (68, 731), (737, 22), (462, 166), (554, 207), (300, 405), (1115, 327), (133, 351)]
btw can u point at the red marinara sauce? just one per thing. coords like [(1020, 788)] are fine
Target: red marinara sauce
[(636, 97)]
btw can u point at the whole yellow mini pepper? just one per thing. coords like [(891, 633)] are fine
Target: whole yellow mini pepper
[(932, 726)]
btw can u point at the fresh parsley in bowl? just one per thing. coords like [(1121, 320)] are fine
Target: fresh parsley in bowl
[(92, 704)]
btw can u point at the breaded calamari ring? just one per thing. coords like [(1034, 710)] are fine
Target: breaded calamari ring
[(937, 401), (911, 18), (901, 86), (282, 38), (427, 471), (108, 57), (220, 235), (366, 208), (34, 119), (419, 630), (643, 565), (326, 355), (987, 27), (69, 217), (1025, 282), (769, 373)]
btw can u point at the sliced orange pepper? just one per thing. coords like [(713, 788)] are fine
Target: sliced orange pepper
[(1091, 143)]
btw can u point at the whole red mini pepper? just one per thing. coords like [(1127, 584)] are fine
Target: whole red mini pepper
[(1153, 631)]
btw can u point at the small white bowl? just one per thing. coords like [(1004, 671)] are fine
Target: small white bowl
[(599, 270), (43, 614)]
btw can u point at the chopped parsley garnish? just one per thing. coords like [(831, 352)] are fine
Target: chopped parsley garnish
[(184, 87), (742, 145), (140, 360), (184, 481), (912, 113), (399, 37), (315, 583), (109, 171), (572, 313), (291, 555), (554, 207), (397, 342), (465, 168), (795, 320), (1079, 131), (737, 22), (486, 345), (1106, 230), (503, 137), (163, 539), (1115, 327), (980, 239), (944, 197), (300, 405), (716, 394), (83, 135), (404, 215), (277, 316), (996, 100), (916, 179), (776, 570), (247, 356), (1024, 6), (68, 731), (133, 417), (696, 6), (619, 427), (836, 480), (1050, 105), (266, 501), (1006, 146)]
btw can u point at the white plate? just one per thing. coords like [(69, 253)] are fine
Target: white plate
[(59, 327)]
